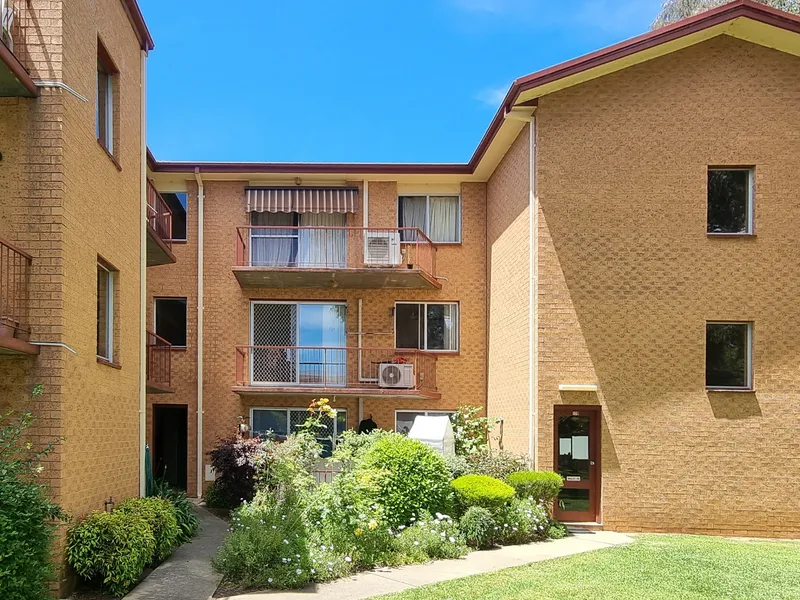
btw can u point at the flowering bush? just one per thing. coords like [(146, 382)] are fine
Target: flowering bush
[(478, 527), (496, 463), (416, 477), (521, 521), (471, 432), (287, 465), (481, 490), (457, 465), (430, 537), (540, 485), (234, 460)]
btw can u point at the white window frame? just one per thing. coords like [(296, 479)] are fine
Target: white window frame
[(748, 357), (108, 117), (750, 200), (155, 315), (290, 409), (424, 315), (109, 274), (426, 229), (425, 413)]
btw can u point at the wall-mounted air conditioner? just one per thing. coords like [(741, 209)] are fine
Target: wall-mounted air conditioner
[(382, 248), (393, 375)]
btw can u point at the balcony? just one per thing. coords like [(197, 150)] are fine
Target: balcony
[(15, 267), (335, 257), (321, 371), (159, 365), (14, 78), (159, 229)]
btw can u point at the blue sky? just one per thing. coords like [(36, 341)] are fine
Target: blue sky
[(355, 81)]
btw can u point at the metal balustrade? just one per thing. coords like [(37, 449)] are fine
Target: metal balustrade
[(15, 267)]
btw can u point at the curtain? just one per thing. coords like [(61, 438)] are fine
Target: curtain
[(444, 219), (273, 247), (322, 248), (412, 214)]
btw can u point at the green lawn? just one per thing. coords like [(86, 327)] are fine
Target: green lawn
[(653, 567)]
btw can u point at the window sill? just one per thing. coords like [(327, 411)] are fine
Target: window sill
[(108, 363), (178, 348), (730, 235), (177, 241), (110, 155), (729, 390)]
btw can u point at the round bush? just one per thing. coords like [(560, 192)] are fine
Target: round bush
[(542, 486), (415, 477), (478, 527), (160, 516), (481, 490), (111, 549)]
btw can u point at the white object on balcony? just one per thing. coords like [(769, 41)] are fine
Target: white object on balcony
[(434, 431), (392, 375), (6, 22), (577, 387), (382, 248)]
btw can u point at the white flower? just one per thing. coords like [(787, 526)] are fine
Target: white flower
[(348, 559), (452, 540), (297, 555), (313, 571), (416, 543), (269, 580), (299, 571), (401, 527), (286, 542)]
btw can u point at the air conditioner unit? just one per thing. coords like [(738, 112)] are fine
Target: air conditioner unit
[(382, 248), (393, 375)]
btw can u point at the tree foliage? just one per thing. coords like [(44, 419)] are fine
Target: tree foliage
[(675, 10)]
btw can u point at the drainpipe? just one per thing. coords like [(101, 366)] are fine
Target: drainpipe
[(143, 281), (200, 202), (533, 301), (365, 203)]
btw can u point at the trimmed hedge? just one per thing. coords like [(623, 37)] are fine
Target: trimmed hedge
[(542, 486), (160, 516), (481, 490)]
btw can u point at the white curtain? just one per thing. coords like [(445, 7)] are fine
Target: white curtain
[(445, 222), (412, 214), (273, 247), (322, 248)]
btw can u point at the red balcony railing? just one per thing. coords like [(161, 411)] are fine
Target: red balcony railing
[(15, 267), (335, 248), (159, 361), (159, 214), (402, 370)]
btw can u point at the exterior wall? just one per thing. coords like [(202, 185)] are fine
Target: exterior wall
[(461, 377), (629, 278), (508, 265)]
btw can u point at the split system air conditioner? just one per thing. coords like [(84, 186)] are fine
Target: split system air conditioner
[(391, 375), (382, 248)]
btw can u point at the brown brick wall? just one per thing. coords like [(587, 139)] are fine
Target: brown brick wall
[(629, 277)]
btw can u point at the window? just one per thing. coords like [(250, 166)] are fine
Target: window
[(105, 312), (280, 422), (426, 326), (730, 201), (439, 217), (177, 204), (170, 320), (276, 241), (404, 419), (729, 355), (105, 98)]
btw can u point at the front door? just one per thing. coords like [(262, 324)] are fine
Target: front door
[(577, 452), (170, 443)]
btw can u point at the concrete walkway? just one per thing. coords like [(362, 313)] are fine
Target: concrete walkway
[(387, 581), (187, 574)]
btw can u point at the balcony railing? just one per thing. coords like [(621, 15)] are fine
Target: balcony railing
[(159, 364), (159, 214), (15, 267), (355, 371)]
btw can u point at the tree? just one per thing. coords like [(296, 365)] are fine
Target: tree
[(675, 10)]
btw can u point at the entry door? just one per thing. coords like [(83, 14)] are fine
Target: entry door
[(577, 458), (170, 443)]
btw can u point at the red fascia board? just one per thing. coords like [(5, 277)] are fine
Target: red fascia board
[(310, 168), (139, 26)]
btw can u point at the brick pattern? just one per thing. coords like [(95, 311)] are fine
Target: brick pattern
[(629, 277)]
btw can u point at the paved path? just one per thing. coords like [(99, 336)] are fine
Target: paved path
[(387, 581), (187, 574)]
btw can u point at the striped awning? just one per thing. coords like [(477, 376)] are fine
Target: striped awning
[(302, 199)]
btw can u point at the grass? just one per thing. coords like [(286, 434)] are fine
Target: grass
[(654, 567)]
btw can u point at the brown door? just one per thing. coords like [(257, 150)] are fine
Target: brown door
[(577, 460)]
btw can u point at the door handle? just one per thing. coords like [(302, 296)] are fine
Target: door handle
[(591, 462)]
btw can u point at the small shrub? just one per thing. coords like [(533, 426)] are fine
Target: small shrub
[(478, 526), (430, 538), (188, 523), (351, 446), (481, 490), (521, 521), (234, 460), (416, 477), (496, 463), (457, 465), (111, 549), (267, 545), (220, 497), (288, 464), (557, 530), (471, 431), (542, 486), (160, 516)]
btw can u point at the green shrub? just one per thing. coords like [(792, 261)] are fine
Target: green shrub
[(416, 477), (160, 516), (220, 497), (470, 431), (478, 527), (496, 463), (234, 460), (111, 549), (521, 521), (188, 522), (481, 490), (557, 530), (542, 486), (457, 465), (351, 446), (429, 538), (267, 546)]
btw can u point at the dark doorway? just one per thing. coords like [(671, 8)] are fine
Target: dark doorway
[(170, 437)]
